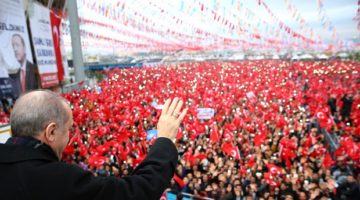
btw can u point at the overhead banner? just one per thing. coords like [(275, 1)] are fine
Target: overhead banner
[(15, 51), (41, 32)]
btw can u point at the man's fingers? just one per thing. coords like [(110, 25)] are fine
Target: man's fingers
[(182, 115), (178, 108), (172, 106), (166, 106)]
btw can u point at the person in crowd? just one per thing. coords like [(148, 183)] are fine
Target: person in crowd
[(332, 104), (346, 108)]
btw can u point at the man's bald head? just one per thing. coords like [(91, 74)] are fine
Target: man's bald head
[(35, 110)]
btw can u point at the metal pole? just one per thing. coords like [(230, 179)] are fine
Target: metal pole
[(50, 2), (75, 40)]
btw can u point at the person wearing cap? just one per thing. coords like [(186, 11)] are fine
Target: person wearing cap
[(30, 161)]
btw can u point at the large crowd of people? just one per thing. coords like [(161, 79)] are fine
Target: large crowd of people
[(266, 140), (281, 129)]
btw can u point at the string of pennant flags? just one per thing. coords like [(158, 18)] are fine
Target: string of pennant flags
[(199, 25), (283, 26), (357, 17), (326, 23), (296, 15), (135, 13)]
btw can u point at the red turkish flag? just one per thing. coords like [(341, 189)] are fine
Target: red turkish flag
[(251, 161), (69, 150), (55, 26), (188, 156), (96, 161), (214, 136), (228, 135), (281, 122), (352, 149), (179, 181), (259, 139), (269, 180), (328, 162), (231, 150), (179, 135), (274, 170), (200, 156)]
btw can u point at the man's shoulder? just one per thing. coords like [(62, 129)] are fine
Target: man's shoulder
[(35, 161), (72, 171), (10, 153), (29, 62), (30, 65)]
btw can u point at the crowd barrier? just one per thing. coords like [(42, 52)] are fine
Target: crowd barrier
[(74, 86), (331, 140), (111, 66), (333, 143)]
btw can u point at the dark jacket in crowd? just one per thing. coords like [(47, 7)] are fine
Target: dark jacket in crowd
[(346, 108), (32, 79), (332, 105), (232, 196), (34, 172), (349, 191)]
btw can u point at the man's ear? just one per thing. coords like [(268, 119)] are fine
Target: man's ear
[(50, 132)]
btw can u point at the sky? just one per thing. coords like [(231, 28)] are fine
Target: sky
[(337, 15), (340, 12)]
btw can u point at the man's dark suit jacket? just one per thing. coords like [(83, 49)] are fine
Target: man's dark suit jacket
[(31, 79), (29, 173)]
